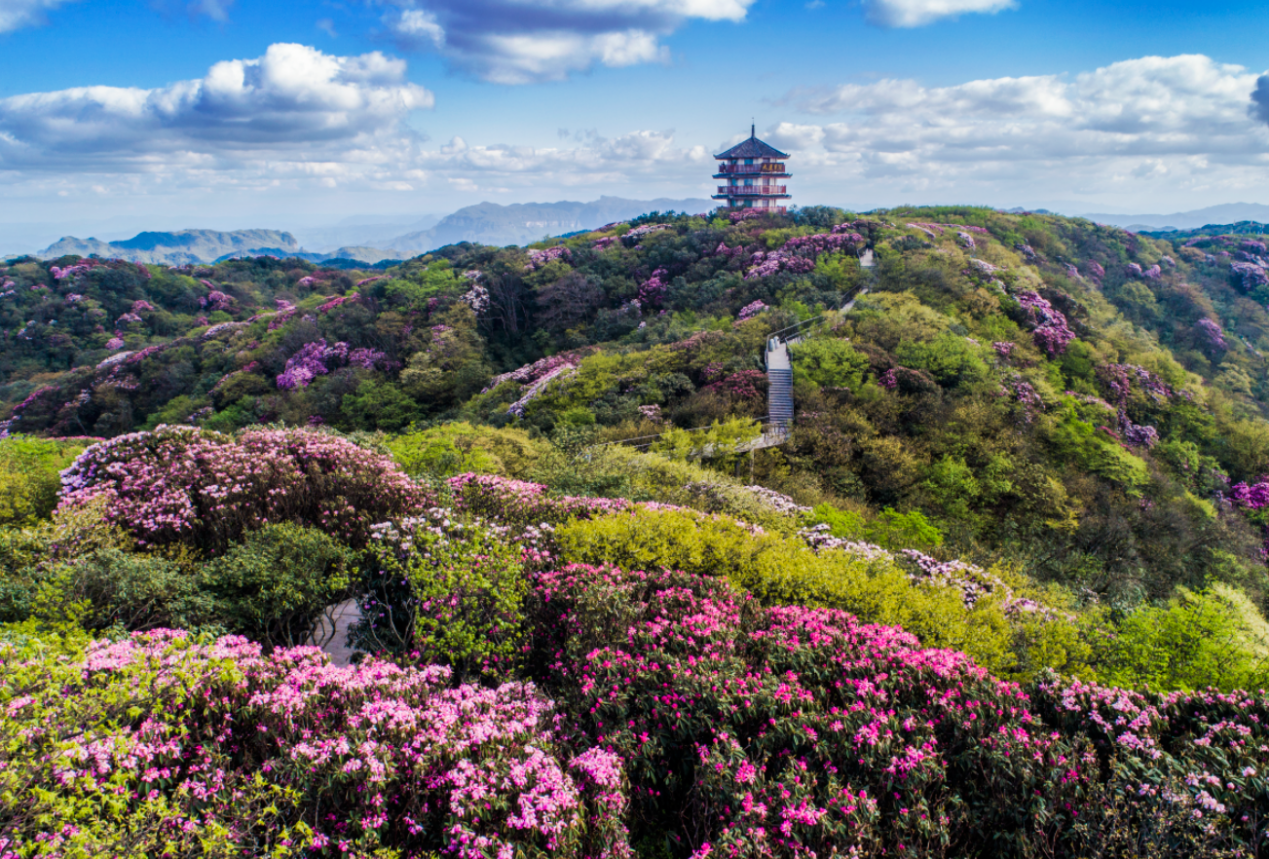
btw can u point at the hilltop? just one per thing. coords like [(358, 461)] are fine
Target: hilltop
[(995, 591)]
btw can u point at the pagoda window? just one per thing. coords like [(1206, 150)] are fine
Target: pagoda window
[(748, 160)]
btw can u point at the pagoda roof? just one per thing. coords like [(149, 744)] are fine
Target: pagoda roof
[(753, 148)]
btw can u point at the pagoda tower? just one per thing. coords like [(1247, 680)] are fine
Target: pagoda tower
[(753, 172)]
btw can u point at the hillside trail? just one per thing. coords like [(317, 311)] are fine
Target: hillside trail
[(331, 633), (780, 381)]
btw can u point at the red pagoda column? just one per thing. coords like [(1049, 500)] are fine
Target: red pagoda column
[(753, 174)]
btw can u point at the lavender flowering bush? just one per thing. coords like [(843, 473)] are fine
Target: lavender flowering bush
[(186, 485)]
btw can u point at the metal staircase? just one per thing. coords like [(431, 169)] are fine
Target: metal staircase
[(779, 386)]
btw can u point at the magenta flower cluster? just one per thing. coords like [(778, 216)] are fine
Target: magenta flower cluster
[(798, 254), (1250, 497), (791, 731), (652, 292), (744, 385), (1210, 334), (752, 309), (1249, 275), (1024, 394)]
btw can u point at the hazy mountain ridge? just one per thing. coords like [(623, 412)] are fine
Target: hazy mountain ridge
[(1226, 213), (522, 223), (179, 247), (485, 223)]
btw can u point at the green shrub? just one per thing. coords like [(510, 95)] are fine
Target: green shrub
[(27, 555), (828, 362), (456, 448), (22, 551), (30, 476), (1214, 637), (890, 529), (273, 585), (448, 592), (114, 590)]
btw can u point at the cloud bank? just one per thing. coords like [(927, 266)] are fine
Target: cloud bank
[(300, 121), (291, 98), (1188, 118), (519, 42)]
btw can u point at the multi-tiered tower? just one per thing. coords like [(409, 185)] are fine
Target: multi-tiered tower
[(753, 172)]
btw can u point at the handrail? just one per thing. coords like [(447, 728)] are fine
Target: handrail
[(813, 319)]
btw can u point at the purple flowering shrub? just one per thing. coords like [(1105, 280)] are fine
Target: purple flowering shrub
[(315, 359), (798, 254), (746, 385), (508, 501), (1210, 335), (186, 485), (538, 258), (652, 292), (1049, 327), (161, 745)]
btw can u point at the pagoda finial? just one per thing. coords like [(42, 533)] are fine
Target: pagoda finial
[(753, 131)]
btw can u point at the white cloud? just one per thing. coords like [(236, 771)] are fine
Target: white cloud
[(524, 41), (15, 14), (918, 13), (294, 99), (1186, 122), (297, 123), (416, 28), (787, 135), (635, 157)]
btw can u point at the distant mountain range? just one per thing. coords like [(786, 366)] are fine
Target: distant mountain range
[(1228, 213), (522, 223), (485, 223)]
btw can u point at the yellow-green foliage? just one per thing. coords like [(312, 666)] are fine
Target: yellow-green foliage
[(1091, 448), (828, 362), (455, 448), (29, 476), (890, 529), (718, 442), (1214, 637), (652, 476), (783, 570)]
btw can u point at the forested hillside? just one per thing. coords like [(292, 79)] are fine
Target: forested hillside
[(994, 594)]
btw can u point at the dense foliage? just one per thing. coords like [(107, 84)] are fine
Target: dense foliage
[(1001, 591)]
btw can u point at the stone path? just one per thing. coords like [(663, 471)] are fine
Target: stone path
[(331, 633)]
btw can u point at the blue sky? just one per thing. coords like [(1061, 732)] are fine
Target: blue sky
[(168, 113)]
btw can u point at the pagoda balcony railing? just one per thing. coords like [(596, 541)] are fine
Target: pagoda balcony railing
[(751, 190), (752, 168), (762, 210)]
